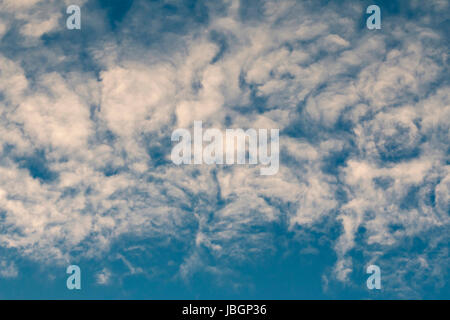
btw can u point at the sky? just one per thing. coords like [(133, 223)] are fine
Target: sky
[(86, 178)]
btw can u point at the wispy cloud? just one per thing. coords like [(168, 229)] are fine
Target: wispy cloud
[(363, 118)]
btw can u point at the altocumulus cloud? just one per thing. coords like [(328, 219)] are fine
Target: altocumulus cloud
[(86, 118)]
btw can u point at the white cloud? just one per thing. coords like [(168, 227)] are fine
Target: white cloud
[(36, 28), (8, 269), (104, 276), (103, 135)]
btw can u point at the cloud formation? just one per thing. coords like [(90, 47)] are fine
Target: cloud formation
[(363, 118)]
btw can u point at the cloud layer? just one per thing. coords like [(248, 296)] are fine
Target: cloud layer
[(86, 119)]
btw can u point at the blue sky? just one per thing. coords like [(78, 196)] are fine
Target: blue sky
[(86, 118)]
